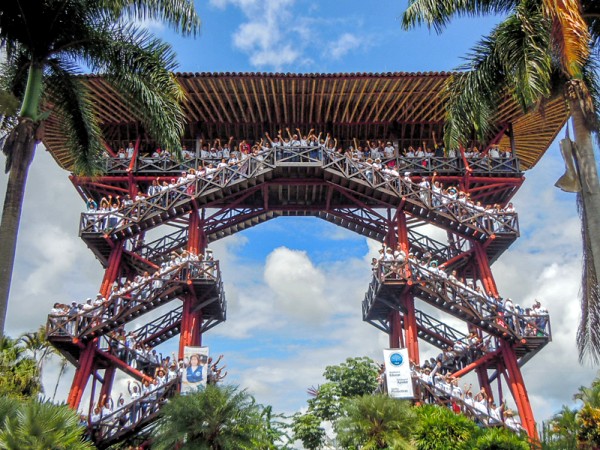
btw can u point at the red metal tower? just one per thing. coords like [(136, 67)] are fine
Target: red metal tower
[(138, 238), (384, 206)]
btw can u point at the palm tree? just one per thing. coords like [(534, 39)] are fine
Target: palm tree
[(374, 422), (45, 42), (19, 374), (560, 433), (40, 349), (216, 418), (541, 48), (38, 346), (43, 425)]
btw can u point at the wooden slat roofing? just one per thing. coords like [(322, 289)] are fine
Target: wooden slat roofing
[(402, 106)]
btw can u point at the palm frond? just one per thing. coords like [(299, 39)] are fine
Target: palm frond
[(140, 67), (514, 59), (570, 34), (437, 14), (73, 104), (179, 14), (474, 95), (591, 79), (524, 50)]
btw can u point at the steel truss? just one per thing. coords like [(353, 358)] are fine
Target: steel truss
[(389, 208)]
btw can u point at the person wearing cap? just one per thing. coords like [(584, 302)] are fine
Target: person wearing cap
[(510, 421)]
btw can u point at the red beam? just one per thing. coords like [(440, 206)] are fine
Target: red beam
[(475, 364), (123, 366), (82, 374), (518, 390)]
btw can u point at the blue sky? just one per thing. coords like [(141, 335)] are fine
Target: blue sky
[(295, 285)]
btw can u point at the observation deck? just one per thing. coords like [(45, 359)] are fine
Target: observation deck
[(454, 298), (312, 182), (70, 333), (376, 200)]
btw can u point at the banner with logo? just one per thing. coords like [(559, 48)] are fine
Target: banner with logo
[(397, 373), (195, 368)]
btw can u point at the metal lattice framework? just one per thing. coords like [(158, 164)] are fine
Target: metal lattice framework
[(382, 205)]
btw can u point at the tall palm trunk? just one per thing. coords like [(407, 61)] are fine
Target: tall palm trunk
[(588, 336), (20, 149), (22, 155)]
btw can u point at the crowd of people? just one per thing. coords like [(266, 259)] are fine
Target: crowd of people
[(75, 318), (112, 212), (437, 387), (143, 399), (427, 156), (397, 264)]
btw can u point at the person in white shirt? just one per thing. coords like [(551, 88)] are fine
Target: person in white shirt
[(130, 150), (541, 314), (389, 151), (510, 420), (425, 185)]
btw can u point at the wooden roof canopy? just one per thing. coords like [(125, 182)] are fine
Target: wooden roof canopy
[(402, 106)]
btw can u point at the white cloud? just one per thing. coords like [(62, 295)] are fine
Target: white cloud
[(297, 283), (266, 36), (279, 34), (346, 43)]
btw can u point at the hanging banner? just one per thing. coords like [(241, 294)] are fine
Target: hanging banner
[(195, 369), (397, 373)]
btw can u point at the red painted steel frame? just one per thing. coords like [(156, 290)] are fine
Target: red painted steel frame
[(403, 330)]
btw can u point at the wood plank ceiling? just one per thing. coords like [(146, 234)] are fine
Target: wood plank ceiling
[(405, 107)]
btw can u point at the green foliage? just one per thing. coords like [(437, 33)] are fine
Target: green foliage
[(98, 35), (500, 439), (375, 422), (35, 425), (588, 421), (19, 373), (327, 403), (307, 428), (9, 104), (355, 377), (441, 429), (560, 432), (275, 430), (217, 418)]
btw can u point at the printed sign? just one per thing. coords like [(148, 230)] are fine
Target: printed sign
[(397, 373), (195, 369)]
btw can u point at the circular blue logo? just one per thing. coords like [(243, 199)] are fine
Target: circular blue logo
[(396, 359)]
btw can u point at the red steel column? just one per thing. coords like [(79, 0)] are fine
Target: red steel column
[(112, 271), (517, 387), (191, 320), (484, 269), (396, 338), (109, 378), (411, 339), (82, 374)]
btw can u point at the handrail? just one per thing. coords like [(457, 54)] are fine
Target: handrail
[(456, 296), (167, 201), (458, 212), (140, 411), (121, 351), (424, 165), (442, 398), (426, 200), (163, 283)]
